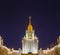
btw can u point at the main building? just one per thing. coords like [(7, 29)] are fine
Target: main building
[(30, 41)]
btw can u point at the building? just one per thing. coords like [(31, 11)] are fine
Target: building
[(30, 45), (3, 49), (30, 41), (7, 51)]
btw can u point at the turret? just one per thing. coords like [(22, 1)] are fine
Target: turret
[(58, 40), (1, 41)]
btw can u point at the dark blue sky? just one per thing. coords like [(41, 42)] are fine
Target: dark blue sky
[(14, 20)]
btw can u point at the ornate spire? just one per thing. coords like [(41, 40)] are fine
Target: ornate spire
[(30, 27)]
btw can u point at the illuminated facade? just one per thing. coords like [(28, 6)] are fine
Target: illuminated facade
[(54, 50), (30, 41), (3, 49)]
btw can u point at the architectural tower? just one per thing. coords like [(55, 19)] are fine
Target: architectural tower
[(30, 41), (1, 41)]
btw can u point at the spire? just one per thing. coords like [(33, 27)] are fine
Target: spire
[(29, 19), (30, 27)]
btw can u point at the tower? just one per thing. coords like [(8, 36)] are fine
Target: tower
[(1, 41), (30, 41), (58, 40)]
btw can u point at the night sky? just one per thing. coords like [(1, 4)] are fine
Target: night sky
[(14, 21)]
